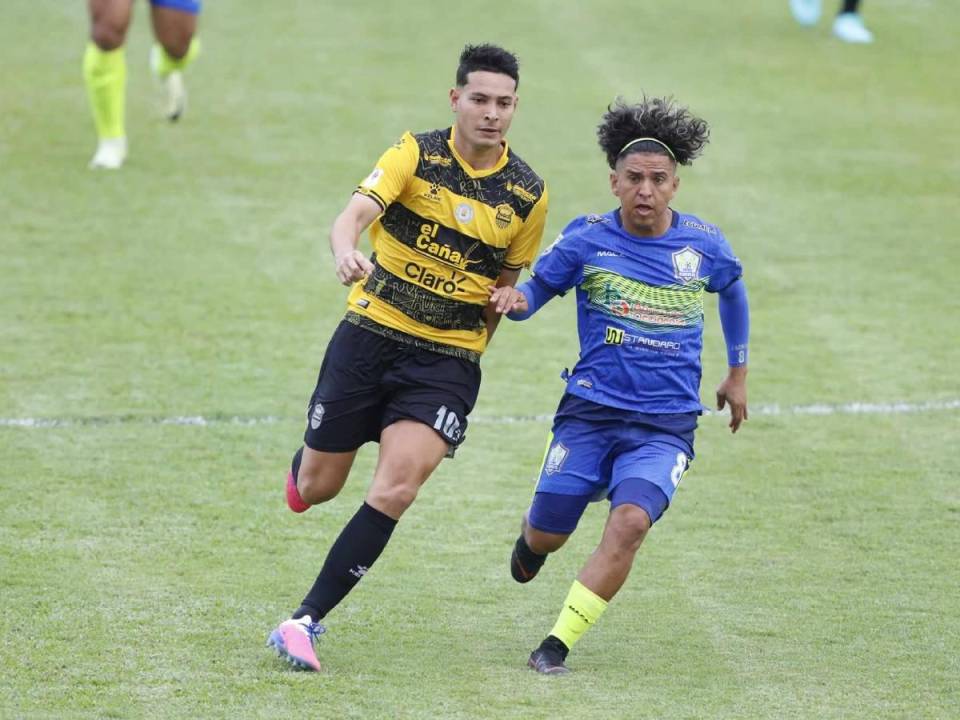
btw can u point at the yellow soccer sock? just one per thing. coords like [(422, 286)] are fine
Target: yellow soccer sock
[(581, 609), (105, 75), (165, 64)]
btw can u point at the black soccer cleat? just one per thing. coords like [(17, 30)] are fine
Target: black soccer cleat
[(547, 661), (524, 563)]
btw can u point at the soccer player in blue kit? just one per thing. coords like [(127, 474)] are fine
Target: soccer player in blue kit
[(624, 428)]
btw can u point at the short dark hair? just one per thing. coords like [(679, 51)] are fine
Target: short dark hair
[(491, 58), (658, 118)]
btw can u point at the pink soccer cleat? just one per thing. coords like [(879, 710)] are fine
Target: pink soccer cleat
[(294, 501), (294, 640)]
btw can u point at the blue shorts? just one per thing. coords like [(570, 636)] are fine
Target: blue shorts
[(609, 454), (189, 6)]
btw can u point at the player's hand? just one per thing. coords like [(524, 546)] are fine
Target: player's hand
[(733, 392), (506, 299), (352, 266)]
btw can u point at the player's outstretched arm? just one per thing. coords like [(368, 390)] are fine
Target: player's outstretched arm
[(351, 264), (735, 320), (521, 302)]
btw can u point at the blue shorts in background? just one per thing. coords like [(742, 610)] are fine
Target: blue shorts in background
[(190, 6)]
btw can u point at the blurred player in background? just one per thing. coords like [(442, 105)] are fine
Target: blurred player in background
[(847, 25), (453, 212), (105, 66), (624, 429)]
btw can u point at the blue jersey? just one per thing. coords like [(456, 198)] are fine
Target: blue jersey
[(639, 308)]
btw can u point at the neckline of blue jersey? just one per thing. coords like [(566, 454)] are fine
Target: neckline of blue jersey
[(674, 224)]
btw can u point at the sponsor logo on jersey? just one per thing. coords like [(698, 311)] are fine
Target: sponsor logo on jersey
[(464, 212), (617, 336), (436, 159), (433, 194), (373, 178), (593, 218), (521, 192), (363, 303), (613, 336), (555, 458), (686, 264), (316, 417), (504, 215), (702, 227), (425, 277), (427, 244), (608, 253)]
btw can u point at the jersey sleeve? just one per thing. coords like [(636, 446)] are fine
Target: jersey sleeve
[(560, 266), (524, 247), (392, 172), (726, 267)]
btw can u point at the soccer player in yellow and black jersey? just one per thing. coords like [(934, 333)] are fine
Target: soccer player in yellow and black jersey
[(451, 213)]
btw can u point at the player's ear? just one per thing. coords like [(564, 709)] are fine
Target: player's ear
[(454, 96), (613, 182)]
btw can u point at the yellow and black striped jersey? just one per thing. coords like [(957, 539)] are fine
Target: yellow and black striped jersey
[(445, 234)]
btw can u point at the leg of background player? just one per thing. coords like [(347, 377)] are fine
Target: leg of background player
[(176, 48), (105, 76)]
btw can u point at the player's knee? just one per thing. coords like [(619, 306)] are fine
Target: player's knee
[(629, 525), (393, 499), (541, 542), (317, 487), (176, 44), (108, 36)]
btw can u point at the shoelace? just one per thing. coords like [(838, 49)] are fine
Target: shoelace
[(314, 631)]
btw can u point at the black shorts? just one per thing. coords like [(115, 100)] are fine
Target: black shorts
[(368, 382)]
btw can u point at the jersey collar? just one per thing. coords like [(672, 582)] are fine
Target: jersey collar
[(500, 164)]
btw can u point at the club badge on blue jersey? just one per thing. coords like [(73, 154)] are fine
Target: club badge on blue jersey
[(686, 264)]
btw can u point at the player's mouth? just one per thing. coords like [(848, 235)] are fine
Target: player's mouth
[(643, 209), (489, 132)]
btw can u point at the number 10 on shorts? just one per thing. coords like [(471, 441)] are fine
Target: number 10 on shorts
[(448, 423)]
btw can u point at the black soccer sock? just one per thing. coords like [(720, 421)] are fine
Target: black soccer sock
[(849, 6), (360, 543), (530, 561), (295, 465)]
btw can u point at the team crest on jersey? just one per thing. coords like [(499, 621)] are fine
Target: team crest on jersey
[(558, 453), (464, 212), (504, 215), (373, 178), (686, 264), (316, 417)]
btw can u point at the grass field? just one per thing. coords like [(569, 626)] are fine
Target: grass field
[(804, 570)]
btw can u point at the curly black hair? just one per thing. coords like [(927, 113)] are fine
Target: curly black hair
[(491, 58), (660, 118)]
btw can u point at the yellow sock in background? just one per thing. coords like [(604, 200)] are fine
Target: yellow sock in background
[(164, 64), (105, 75), (581, 609)]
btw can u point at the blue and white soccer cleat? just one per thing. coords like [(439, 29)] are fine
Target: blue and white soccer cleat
[(294, 640), (849, 27), (806, 12)]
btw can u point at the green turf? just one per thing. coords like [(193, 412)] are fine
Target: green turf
[(805, 569)]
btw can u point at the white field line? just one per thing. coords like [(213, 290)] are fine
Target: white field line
[(855, 408)]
